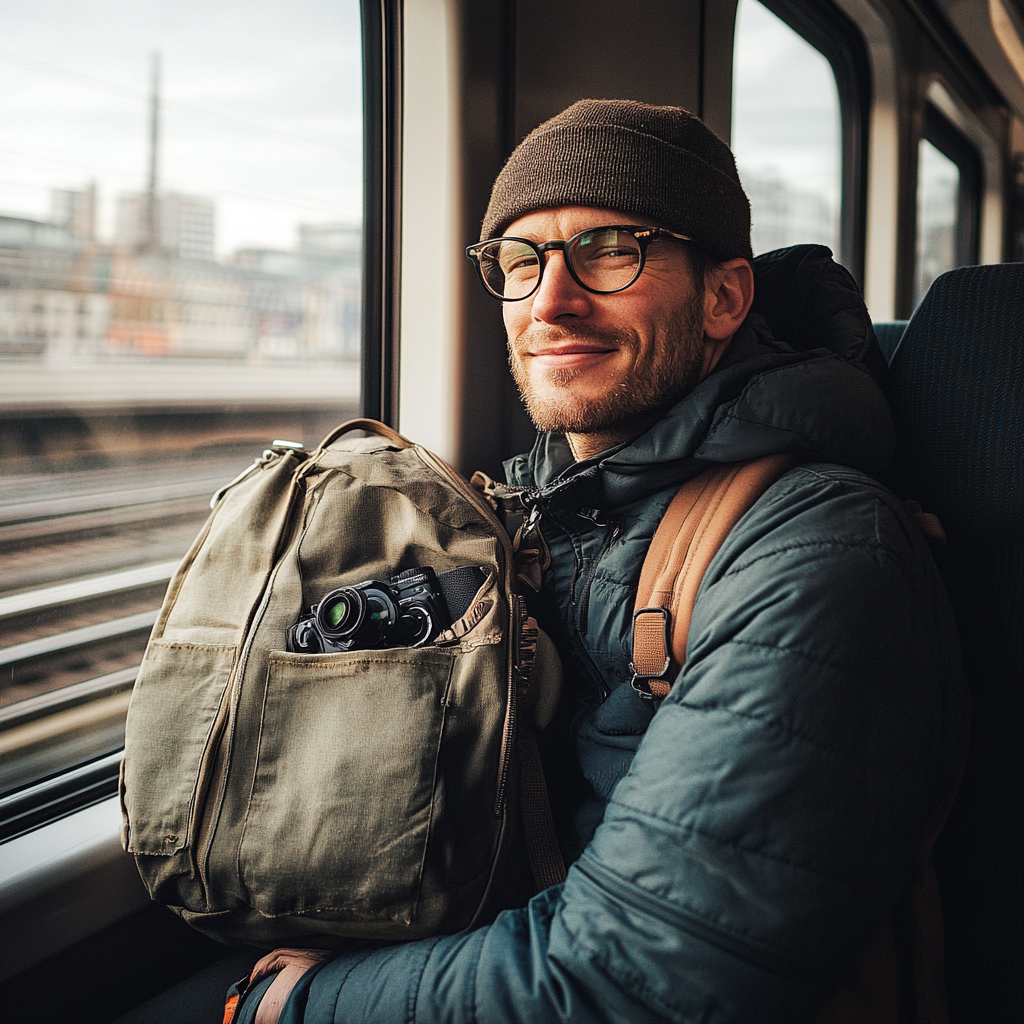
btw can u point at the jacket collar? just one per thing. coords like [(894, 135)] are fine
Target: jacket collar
[(766, 395)]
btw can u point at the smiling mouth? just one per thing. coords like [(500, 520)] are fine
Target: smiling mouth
[(571, 355)]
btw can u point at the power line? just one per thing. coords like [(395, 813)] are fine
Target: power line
[(128, 92)]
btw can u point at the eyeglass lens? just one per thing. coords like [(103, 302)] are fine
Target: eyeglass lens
[(604, 260)]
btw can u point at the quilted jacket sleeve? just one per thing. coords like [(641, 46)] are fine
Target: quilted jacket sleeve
[(770, 818)]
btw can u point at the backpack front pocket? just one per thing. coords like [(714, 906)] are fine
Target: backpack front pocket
[(177, 695), (344, 785)]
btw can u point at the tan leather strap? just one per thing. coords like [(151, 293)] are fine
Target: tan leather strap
[(906, 951), (927, 954), (928, 523), (289, 965), (696, 523)]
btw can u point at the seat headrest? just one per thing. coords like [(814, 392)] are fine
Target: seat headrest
[(955, 384)]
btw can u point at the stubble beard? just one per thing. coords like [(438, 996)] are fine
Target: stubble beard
[(671, 370)]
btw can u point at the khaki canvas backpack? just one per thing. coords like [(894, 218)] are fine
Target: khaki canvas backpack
[(277, 798)]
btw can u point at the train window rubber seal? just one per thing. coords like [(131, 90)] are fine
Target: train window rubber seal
[(382, 206), (50, 799)]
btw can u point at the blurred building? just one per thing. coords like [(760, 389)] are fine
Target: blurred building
[(163, 306), (341, 240), (17, 232), (75, 210), (319, 314), (782, 215), (65, 297), (53, 302), (186, 225)]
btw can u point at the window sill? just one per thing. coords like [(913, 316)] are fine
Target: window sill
[(63, 882)]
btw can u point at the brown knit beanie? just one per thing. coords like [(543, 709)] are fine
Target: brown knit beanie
[(660, 162)]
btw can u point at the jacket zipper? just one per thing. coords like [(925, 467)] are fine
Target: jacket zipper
[(583, 608), (210, 788)]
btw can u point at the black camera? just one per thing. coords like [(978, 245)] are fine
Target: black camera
[(407, 611)]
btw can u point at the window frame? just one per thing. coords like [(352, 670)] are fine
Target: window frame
[(382, 30)]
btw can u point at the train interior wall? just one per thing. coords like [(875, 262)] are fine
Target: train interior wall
[(511, 65)]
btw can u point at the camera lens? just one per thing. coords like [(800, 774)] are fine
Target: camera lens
[(381, 615), (303, 638), (357, 618), (340, 612), (416, 627)]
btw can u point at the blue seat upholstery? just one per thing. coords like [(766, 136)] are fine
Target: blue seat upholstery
[(957, 389), (888, 334)]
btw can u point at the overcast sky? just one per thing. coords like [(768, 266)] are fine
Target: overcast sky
[(785, 105), (262, 108)]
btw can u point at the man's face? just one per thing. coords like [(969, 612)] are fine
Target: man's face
[(589, 363)]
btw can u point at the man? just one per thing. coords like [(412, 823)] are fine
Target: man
[(734, 850)]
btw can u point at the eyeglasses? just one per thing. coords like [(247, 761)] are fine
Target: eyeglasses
[(601, 260)]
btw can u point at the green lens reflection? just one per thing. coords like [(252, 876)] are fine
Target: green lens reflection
[(337, 612)]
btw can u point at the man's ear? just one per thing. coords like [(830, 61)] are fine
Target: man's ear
[(729, 293)]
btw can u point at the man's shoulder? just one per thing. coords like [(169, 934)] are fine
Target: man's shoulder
[(824, 503), (826, 549), (823, 536), (828, 581)]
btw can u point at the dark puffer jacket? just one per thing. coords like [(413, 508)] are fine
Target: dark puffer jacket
[(735, 848)]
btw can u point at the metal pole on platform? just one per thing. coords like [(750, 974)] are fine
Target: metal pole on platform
[(152, 232)]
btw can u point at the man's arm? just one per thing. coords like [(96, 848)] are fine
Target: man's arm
[(770, 819)]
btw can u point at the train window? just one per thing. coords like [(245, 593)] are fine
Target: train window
[(799, 88), (786, 132), (180, 284), (948, 180)]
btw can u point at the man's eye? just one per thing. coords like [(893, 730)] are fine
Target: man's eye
[(520, 263), (608, 254)]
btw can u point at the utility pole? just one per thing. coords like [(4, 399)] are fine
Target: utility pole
[(152, 224)]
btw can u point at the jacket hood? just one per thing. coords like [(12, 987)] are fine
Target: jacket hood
[(800, 375)]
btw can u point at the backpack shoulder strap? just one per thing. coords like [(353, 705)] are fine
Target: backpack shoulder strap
[(696, 523)]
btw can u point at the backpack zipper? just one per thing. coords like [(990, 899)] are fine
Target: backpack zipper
[(210, 785), (512, 601)]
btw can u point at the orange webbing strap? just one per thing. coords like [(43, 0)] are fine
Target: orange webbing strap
[(289, 965), (696, 523)]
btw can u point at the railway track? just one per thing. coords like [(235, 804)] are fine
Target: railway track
[(90, 533), (44, 518), (85, 558)]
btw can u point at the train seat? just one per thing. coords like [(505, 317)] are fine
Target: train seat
[(888, 334), (956, 384)]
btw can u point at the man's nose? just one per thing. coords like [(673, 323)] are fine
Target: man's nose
[(558, 294)]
